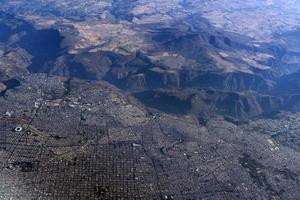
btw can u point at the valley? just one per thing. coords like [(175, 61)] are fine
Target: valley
[(181, 99)]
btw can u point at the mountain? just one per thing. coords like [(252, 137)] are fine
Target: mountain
[(158, 100), (139, 49)]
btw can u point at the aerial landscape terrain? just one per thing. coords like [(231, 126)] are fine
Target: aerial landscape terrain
[(149, 100)]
